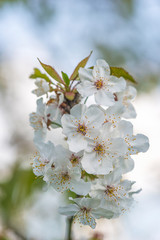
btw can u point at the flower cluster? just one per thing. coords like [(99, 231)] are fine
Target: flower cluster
[(99, 145)]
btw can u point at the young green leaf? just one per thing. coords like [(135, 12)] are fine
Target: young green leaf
[(120, 72), (37, 74), (81, 64), (66, 78), (52, 72)]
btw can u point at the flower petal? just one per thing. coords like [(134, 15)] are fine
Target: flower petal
[(69, 210), (80, 187), (104, 97), (102, 63), (116, 84), (102, 213)]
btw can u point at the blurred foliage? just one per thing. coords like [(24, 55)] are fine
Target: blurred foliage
[(16, 191), (41, 10), (146, 78), (125, 8)]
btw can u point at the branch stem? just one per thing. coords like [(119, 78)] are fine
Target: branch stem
[(69, 228)]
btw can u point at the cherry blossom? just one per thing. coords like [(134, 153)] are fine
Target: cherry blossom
[(43, 87), (100, 83), (102, 151), (85, 211), (64, 174), (80, 124)]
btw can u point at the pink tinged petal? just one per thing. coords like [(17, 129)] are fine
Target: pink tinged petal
[(104, 97), (102, 63), (80, 187), (69, 210), (116, 84)]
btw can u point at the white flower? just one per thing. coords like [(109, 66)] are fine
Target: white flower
[(125, 97), (38, 119), (114, 113), (85, 211), (80, 124), (113, 192), (43, 87), (64, 175), (53, 108), (44, 158), (135, 144), (125, 163), (102, 150), (54, 114), (100, 83), (43, 117)]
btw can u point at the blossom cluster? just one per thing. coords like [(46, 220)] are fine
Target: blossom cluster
[(100, 141)]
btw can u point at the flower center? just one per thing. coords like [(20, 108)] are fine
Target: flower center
[(65, 176), (85, 210), (109, 190), (82, 129), (74, 160), (115, 97), (99, 84), (99, 148), (52, 166)]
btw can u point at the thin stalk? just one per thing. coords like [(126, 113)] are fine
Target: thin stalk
[(85, 100), (57, 124), (69, 228)]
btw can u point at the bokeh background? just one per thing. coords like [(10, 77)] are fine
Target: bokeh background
[(125, 33)]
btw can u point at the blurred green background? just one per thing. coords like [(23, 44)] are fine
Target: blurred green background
[(123, 32)]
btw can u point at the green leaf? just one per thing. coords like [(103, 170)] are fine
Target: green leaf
[(81, 64), (121, 72), (16, 190), (66, 78), (52, 72), (37, 74)]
